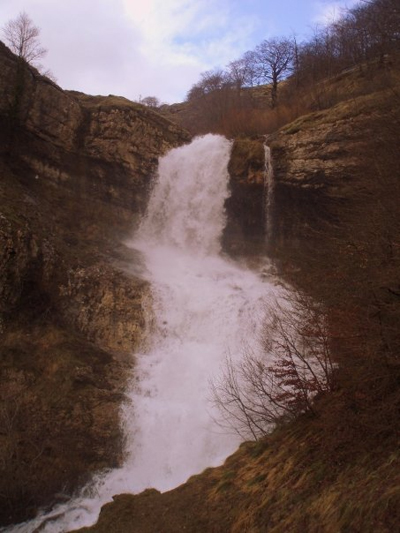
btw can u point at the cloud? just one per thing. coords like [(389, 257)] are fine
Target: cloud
[(136, 47), (188, 31), (153, 47), (181, 38), (327, 12)]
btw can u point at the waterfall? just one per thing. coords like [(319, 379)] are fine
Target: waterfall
[(204, 307), (186, 209), (269, 186)]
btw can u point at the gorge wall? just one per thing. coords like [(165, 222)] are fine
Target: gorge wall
[(101, 148), (331, 167), (326, 165), (75, 174), (245, 208)]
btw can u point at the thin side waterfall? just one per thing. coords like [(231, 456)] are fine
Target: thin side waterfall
[(204, 307), (269, 185)]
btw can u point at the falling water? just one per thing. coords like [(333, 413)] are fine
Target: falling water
[(204, 306), (269, 186)]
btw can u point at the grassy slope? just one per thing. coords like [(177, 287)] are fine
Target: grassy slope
[(292, 481)]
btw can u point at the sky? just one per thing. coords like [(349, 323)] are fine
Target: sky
[(140, 48)]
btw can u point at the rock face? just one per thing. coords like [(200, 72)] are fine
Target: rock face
[(105, 305), (103, 148), (75, 175), (320, 162), (245, 207)]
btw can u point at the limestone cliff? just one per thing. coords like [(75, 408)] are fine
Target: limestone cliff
[(75, 174), (245, 207), (101, 148), (322, 162)]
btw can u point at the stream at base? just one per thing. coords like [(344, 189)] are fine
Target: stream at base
[(203, 308)]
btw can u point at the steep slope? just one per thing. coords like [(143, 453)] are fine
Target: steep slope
[(335, 234), (290, 482), (75, 174)]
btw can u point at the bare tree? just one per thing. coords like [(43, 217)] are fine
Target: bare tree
[(237, 74), (22, 36), (211, 81), (274, 61), (242, 72), (212, 97), (281, 381), (150, 101)]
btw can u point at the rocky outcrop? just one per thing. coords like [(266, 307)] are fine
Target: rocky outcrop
[(103, 148), (106, 306), (320, 165)]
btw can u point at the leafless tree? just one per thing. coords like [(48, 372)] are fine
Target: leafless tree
[(22, 36), (274, 61), (212, 97), (280, 381), (243, 72), (150, 101), (367, 32), (211, 81), (237, 74)]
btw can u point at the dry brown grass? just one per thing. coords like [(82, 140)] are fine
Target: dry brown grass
[(251, 113), (249, 122), (289, 482)]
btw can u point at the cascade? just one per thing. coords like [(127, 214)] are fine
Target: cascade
[(204, 307), (269, 186)]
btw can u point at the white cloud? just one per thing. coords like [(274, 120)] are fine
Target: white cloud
[(330, 11), (188, 31), (139, 48), (152, 47)]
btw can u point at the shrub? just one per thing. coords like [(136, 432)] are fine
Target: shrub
[(279, 380)]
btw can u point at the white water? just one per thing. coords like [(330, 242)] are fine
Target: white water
[(269, 186), (204, 307)]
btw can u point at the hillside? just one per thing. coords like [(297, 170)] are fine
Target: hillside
[(335, 235)]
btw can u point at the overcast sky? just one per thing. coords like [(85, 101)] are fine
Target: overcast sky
[(138, 48)]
